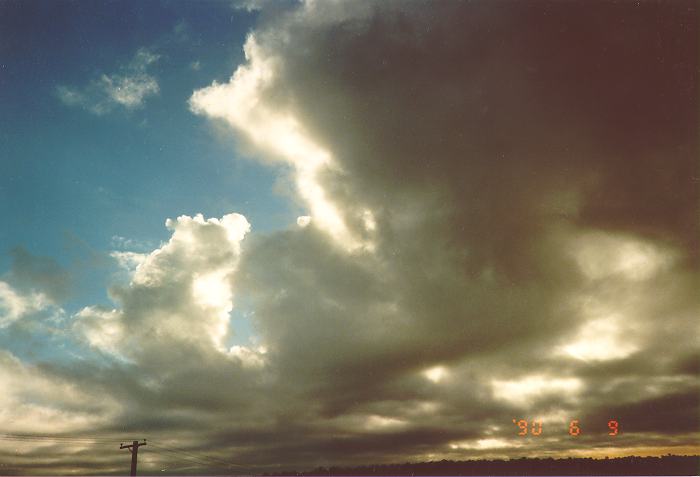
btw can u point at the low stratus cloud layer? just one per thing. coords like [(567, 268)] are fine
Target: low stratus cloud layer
[(502, 224)]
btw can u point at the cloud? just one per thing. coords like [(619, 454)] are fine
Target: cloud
[(250, 5), (487, 238), (129, 88), (473, 207), (276, 132), (128, 260), (30, 272), (33, 285), (129, 92), (14, 305), (130, 244), (180, 294), (39, 400)]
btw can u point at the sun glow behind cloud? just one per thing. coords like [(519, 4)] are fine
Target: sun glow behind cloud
[(601, 255), (436, 374), (489, 443), (278, 133), (527, 390), (600, 339)]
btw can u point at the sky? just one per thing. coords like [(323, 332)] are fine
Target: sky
[(282, 235)]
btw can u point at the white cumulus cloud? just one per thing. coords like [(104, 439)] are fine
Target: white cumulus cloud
[(179, 293)]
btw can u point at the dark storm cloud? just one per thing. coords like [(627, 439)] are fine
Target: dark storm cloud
[(670, 413), (488, 140), (506, 109)]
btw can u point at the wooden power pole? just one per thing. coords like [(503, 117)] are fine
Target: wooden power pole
[(134, 449)]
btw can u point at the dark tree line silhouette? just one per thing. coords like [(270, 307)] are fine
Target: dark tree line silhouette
[(633, 465)]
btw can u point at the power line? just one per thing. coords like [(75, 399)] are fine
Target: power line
[(169, 451), (213, 460), (59, 438), (180, 457)]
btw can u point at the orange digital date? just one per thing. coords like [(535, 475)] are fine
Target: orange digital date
[(574, 429)]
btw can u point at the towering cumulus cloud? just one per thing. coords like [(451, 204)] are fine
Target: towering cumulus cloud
[(503, 207), (179, 295)]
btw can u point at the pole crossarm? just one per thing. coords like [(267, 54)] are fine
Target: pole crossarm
[(134, 449)]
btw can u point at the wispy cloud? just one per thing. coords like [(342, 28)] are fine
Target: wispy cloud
[(130, 244), (127, 88), (14, 305)]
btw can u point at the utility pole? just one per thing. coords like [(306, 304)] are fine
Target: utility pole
[(134, 449)]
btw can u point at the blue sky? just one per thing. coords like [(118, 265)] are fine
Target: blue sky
[(71, 181)]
